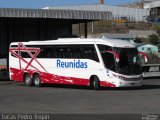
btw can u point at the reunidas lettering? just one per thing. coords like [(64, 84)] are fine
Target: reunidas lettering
[(74, 64)]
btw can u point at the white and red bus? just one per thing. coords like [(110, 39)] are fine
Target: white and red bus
[(92, 62)]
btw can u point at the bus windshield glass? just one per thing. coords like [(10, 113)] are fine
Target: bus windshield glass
[(129, 61), (124, 61)]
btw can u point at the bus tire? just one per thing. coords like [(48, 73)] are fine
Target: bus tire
[(96, 83), (28, 80), (37, 80)]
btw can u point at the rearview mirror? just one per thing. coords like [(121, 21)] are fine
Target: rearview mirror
[(144, 55), (115, 54)]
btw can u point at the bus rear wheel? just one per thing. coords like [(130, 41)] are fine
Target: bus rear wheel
[(96, 83), (37, 80), (28, 80)]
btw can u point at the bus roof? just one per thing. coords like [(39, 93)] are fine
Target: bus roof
[(105, 41)]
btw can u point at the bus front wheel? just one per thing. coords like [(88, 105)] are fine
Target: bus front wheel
[(28, 80), (96, 83), (37, 80)]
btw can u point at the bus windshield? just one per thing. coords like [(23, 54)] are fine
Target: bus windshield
[(124, 61), (129, 61)]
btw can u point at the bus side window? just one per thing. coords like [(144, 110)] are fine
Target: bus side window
[(69, 51), (109, 61), (104, 48), (14, 55), (75, 51), (24, 54), (59, 52), (14, 51), (90, 53), (47, 52), (62, 52)]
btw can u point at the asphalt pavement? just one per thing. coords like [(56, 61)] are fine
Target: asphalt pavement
[(63, 99)]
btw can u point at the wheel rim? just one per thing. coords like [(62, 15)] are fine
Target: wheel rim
[(28, 79), (37, 81), (94, 83)]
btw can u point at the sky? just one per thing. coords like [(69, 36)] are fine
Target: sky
[(46, 3)]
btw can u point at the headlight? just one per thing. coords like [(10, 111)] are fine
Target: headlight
[(128, 79)]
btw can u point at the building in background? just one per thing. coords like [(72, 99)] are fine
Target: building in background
[(152, 5), (119, 12), (142, 33), (154, 8), (138, 3), (148, 48)]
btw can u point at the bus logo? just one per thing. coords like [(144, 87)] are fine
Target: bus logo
[(72, 64)]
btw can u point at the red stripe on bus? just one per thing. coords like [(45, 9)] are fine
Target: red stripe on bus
[(17, 75)]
